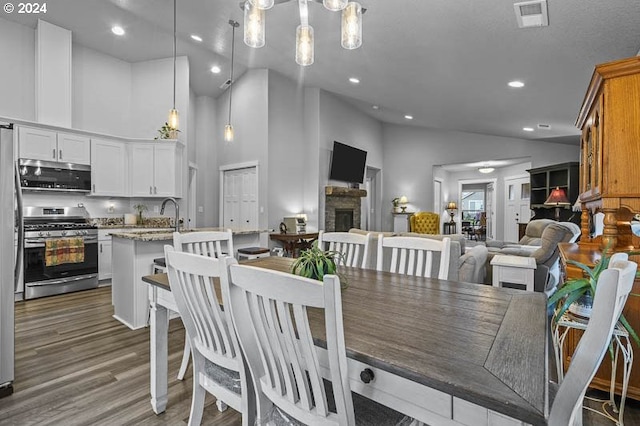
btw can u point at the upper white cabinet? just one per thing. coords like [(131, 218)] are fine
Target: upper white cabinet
[(156, 169), (49, 145), (74, 148), (109, 168)]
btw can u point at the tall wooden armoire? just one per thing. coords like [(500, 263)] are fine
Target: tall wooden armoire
[(610, 152), (609, 183)]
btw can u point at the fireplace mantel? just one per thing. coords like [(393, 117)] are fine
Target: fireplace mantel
[(341, 191), (342, 198)]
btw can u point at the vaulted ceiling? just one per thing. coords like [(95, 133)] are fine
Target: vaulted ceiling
[(446, 63)]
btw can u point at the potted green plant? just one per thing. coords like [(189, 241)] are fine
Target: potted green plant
[(396, 204), (315, 263), (576, 295), (140, 208), (166, 132)]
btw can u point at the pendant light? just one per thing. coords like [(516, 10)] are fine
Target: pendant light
[(262, 4), (304, 37), (352, 26), (228, 129), (174, 119), (254, 25), (334, 5), (350, 36)]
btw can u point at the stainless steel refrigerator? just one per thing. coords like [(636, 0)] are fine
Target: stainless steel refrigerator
[(11, 241)]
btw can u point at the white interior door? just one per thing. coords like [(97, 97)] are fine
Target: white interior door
[(240, 189), (437, 197), (369, 206), (517, 193), (248, 199)]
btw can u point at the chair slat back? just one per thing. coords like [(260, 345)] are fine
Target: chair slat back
[(414, 255), (269, 310), (612, 290), (355, 248), (211, 243), (191, 277)]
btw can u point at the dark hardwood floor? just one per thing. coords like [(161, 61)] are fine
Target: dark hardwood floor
[(76, 365)]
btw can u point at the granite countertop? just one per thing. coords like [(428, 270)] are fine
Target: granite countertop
[(167, 234)]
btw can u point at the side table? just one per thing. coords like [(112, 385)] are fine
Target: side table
[(620, 339), (449, 228), (514, 270)]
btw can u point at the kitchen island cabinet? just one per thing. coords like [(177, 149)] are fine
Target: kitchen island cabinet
[(132, 254)]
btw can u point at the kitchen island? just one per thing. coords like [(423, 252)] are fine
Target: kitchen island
[(132, 258)]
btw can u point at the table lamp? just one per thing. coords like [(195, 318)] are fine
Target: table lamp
[(403, 203), (557, 198), (452, 207)]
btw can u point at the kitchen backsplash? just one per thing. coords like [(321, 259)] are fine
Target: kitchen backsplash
[(101, 208)]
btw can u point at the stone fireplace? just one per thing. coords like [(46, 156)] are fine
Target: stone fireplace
[(342, 208)]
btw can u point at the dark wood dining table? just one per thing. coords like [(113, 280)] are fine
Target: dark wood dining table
[(442, 352)]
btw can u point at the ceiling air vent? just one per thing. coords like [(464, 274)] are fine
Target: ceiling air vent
[(226, 84), (544, 126), (531, 13)]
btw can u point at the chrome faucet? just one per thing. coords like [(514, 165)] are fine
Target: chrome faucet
[(175, 203)]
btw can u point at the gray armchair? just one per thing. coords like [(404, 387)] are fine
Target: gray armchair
[(546, 255), (532, 236)]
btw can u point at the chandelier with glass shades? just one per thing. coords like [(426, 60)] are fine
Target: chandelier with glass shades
[(351, 34)]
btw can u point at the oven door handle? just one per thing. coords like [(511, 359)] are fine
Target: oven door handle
[(40, 242), (61, 281)]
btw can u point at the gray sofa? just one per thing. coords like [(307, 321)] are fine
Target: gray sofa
[(467, 267)]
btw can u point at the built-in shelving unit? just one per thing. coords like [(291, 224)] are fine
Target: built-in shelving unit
[(544, 179)]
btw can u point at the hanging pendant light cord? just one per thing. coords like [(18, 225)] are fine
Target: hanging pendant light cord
[(234, 25), (174, 54)]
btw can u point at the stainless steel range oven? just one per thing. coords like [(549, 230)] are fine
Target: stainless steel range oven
[(60, 251)]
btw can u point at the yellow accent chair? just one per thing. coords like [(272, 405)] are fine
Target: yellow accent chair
[(425, 223)]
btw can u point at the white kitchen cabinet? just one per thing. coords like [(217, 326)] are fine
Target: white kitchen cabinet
[(74, 149), (156, 169), (104, 253), (49, 145), (38, 144), (109, 172)]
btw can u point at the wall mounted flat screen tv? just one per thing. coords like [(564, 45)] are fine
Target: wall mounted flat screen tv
[(347, 163)]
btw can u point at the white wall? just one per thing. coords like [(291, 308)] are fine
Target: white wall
[(152, 96), (451, 189), (205, 159), (339, 121), (411, 152), (249, 117), (17, 73), (287, 154), (101, 92)]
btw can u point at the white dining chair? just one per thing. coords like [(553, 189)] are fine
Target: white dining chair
[(355, 248), (212, 244), (217, 361), (612, 290), (269, 311), (414, 255)]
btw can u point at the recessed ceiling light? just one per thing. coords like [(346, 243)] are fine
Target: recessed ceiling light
[(528, 129), (117, 30), (375, 106), (354, 80), (409, 117), (196, 37), (515, 83), (215, 69)]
